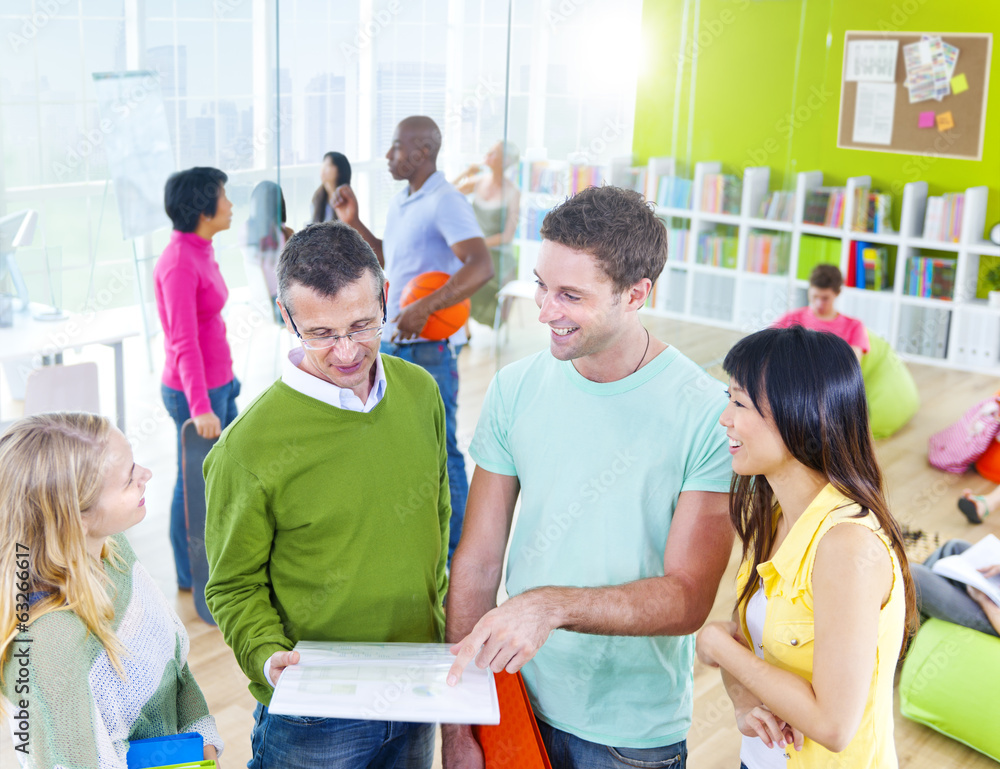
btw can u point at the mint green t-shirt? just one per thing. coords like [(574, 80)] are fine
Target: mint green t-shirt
[(601, 466)]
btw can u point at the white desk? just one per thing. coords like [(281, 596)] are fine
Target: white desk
[(45, 341)]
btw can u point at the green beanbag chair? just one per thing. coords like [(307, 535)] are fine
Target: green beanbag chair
[(892, 394), (951, 683)]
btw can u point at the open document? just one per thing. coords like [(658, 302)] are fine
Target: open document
[(964, 567), (384, 682)]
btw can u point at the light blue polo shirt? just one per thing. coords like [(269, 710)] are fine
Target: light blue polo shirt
[(420, 230), (601, 466)]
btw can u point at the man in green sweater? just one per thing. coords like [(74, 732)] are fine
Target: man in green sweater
[(328, 505)]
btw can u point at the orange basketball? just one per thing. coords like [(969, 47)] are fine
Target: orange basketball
[(445, 322)]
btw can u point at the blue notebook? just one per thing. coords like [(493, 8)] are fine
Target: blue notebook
[(163, 751)]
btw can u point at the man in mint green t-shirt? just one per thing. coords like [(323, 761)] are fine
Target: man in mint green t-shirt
[(328, 506), (611, 438)]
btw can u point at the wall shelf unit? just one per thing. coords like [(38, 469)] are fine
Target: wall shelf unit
[(959, 331), (716, 275)]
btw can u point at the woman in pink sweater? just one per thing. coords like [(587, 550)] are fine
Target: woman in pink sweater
[(821, 315), (198, 380)]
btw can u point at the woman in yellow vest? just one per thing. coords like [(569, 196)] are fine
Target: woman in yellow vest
[(822, 608)]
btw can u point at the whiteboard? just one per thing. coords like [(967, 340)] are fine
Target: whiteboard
[(136, 140)]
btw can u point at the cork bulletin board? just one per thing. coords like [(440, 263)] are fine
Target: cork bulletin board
[(964, 139)]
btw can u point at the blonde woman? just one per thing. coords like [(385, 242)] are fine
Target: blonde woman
[(91, 654)]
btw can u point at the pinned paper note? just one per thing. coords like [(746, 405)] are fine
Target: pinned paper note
[(873, 113), (959, 83), (871, 60), (945, 121), (926, 120)]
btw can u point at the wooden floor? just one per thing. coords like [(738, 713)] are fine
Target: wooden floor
[(920, 496)]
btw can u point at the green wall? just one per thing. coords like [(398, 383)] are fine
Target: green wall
[(767, 88)]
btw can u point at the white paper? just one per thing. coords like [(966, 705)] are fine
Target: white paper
[(384, 682), (872, 60), (965, 567), (873, 113)]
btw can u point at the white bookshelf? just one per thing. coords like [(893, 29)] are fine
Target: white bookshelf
[(962, 333)]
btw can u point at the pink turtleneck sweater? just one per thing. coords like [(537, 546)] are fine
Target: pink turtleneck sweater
[(190, 295)]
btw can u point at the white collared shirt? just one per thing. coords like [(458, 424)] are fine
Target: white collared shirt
[(327, 392)]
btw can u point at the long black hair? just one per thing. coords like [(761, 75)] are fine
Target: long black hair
[(320, 198), (267, 214), (809, 383)]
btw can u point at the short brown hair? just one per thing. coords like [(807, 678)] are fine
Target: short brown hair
[(617, 227), (826, 276)]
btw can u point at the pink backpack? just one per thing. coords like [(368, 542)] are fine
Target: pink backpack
[(956, 447)]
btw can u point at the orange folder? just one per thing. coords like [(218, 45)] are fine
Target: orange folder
[(515, 741)]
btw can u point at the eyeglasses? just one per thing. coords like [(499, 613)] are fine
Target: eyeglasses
[(326, 342)]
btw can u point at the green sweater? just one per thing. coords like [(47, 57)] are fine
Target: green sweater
[(325, 524)]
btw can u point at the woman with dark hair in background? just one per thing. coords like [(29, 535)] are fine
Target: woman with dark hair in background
[(198, 380), (335, 171), (264, 237), (825, 594)]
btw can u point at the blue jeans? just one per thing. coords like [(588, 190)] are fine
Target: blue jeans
[(440, 361), (296, 742), (223, 401), (945, 598), (567, 751)]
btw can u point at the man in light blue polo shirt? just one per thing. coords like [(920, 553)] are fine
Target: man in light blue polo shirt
[(430, 227), (611, 438)]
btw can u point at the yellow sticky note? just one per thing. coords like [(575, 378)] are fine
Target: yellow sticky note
[(959, 84), (945, 121)]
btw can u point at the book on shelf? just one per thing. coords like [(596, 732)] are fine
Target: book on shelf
[(539, 176), (633, 179), (720, 194), (814, 250), (871, 266), (673, 192), (777, 207), (677, 242), (767, 253), (582, 176), (717, 250), (530, 225), (965, 566), (931, 277), (943, 217), (825, 207), (872, 211)]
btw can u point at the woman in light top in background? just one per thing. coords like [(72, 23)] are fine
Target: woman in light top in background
[(264, 237), (198, 381), (825, 595), (107, 658), (825, 283), (496, 202), (335, 171)]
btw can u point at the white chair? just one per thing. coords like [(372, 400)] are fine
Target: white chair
[(515, 289), (62, 388)]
